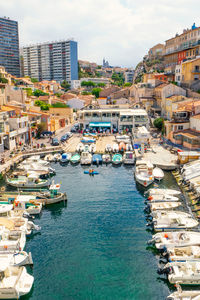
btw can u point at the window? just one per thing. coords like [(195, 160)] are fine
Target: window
[(180, 127)]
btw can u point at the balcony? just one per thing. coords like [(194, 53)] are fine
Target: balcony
[(196, 71)]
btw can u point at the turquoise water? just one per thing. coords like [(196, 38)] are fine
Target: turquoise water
[(95, 247)]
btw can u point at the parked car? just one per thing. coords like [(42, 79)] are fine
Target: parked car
[(64, 138), (55, 142), (69, 134), (46, 134)]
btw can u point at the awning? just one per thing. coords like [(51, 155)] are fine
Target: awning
[(100, 124)]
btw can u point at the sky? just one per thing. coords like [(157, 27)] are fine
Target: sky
[(122, 31)]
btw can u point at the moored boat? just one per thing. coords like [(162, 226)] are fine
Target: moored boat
[(144, 173), (163, 205), (163, 191), (86, 158), (65, 158), (106, 158), (97, 159), (75, 158), (115, 148), (158, 173), (129, 158), (32, 181), (122, 147), (117, 159)]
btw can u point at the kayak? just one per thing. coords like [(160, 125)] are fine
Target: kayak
[(91, 173)]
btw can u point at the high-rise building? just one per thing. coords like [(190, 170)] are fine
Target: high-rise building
[(9, 46), (51, 61)]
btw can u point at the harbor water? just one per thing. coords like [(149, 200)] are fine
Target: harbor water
[(94, 247)]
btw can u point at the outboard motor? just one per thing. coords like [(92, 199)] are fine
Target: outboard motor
[(165, 271)]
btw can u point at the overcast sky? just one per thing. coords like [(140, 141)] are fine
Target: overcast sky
[(122, 31)]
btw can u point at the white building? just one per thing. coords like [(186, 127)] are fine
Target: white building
[(178, 71), (75, 84), (118, 118), (129, 76), (96, 80), (19, 131)]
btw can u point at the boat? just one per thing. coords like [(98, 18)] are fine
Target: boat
[(186, 272), (97, 159), (188, 253), (36, 168), (86, 158), (18, 223), (35, 159), (57, 157), (108, 148), (115, 148), (129, 147), (184, 294), (163, 191), (88, 140), (86, 148), (144, 173), (129, 158), (158, 173), (122, 147), (65, 158), (175, 239), (162, 198), (106, 158), (26, 203), (91, 172), (14, 282), (80, 147), (92, 148), (11, 240), (172, 220), (163, 205), (32, 181), (75, 158), (117, 159), (49, 157), (17, 259)]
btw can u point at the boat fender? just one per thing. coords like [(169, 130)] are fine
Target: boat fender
[(166, 236), (150, 198), (145, 183)]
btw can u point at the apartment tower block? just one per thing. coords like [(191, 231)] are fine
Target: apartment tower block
[(51, 61), (9, 46)]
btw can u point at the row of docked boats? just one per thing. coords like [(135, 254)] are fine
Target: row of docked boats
[(145, 173), (176, 238), (17, 211)]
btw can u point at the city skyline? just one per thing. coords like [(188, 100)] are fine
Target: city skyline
[(123, 36)]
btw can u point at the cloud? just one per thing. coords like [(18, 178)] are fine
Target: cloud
[(120, 30)]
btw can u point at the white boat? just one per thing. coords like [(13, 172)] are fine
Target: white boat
[(162, 198), (86, 158), (184, 294), (163, 205), (188, 253), (11, 240), (14, 282), (20, 258), (57, 157), (175, 239), (129, 158), (163, 191), (36, 168), (182, 272), (32, 181), (171, 220), (49, 157), (35, 159), (108, 148), (158, 173), (144, 173), (86, 148), (18, 224), (80, 147), (106, 158), (28, 204), (129, 147), (92, 148), (115, 148)]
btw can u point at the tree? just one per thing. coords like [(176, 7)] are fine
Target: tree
[(29, 92), (40, 128), (159, 123), (3, 80), (127, 84), (65, 85), (101, 84), (88, 84), (59, 105), (96, 91), (34, 80), (38, 93), (85, 93), (42, 105)]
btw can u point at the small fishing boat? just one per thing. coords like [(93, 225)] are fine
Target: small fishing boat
[(106, 158), (32, 181), (26, 203), (117, 159), (15, 282), (158, 173), (162, 198), (184, 294), (92, 148), (188, 253), (144, 173), (18, 259), (49, 157), (115, 148), (65, 158), (80, 147), (175, 239), (11, 240), (57, 157), (129, 147), (163, 191), (91, 172), (36, 168), (187, 272), (108, 148), (75, 158), (122, 147), (52, 196), (97, 159), (35, 159), (129, 158), (163, 205), (86, 158)]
